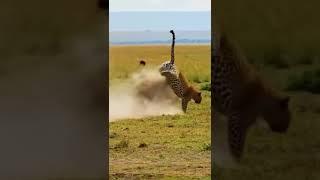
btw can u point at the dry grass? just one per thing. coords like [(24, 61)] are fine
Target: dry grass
[(168, 146), (192, 60)]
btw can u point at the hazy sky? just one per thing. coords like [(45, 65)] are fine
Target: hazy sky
[(159, 5), (160, 21)]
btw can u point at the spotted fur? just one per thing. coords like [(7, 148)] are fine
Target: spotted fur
[(242, 96)]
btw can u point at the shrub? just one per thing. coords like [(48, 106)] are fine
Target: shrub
[(307, 81), (305, 60), (276, 59), (196, 79), (206, 86)]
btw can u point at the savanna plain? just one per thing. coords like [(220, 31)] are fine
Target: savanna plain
[(176, 146)]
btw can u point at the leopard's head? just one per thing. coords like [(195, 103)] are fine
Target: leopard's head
[(195, 95), (277, 114)]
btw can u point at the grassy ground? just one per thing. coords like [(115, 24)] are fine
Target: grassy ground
[(193, 61), (168, 146), (177, 147), (296, 154)]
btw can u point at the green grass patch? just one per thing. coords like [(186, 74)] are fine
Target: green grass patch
[(206, 86), (276, 59), (305, 60), (308, 80)]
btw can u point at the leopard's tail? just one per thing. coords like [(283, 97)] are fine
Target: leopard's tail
[(172, 46)]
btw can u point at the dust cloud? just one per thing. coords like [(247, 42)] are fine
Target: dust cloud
[(221, 152), (144, 93)]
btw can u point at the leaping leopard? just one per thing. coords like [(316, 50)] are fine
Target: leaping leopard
[(177, 81)]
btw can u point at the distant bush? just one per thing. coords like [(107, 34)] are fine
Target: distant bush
[(307, 81), (276, 59), (252, 60), (305, 60), (196, 79), (206, 79), (206, 86)]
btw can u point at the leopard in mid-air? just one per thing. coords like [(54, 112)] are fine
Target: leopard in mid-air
[(178, 82), (242, 96)]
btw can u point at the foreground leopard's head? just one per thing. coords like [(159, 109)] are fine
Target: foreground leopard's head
[(277, 113)]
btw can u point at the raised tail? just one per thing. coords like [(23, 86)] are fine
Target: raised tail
[(172, 46)]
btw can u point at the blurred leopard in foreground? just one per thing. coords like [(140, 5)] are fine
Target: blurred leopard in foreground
[(242, 96)]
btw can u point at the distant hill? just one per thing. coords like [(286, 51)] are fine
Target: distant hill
[(151, 37)]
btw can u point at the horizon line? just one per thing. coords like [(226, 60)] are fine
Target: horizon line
[(186, 30), (135, 11)]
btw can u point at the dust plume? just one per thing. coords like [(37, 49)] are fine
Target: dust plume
[(144, 93), (221, 152)]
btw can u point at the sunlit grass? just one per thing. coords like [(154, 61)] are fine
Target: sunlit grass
[(168, 146)]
